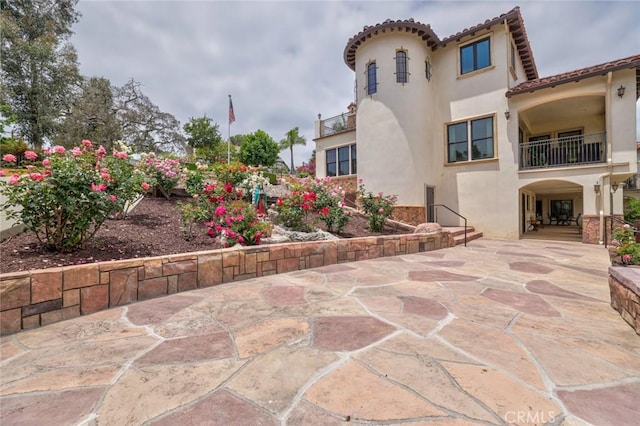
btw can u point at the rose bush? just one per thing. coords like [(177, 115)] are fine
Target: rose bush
[(164, 173), (330, 204), (66, 200), (222, 209), (628, 249), (236, 222), (378, 208), (296, 210), (310, 201)]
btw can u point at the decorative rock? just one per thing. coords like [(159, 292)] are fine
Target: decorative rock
[(281, 234), (428, 228)]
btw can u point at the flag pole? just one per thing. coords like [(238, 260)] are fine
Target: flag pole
[(229, 132)]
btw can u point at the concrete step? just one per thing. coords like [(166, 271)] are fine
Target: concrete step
[(458, 233)]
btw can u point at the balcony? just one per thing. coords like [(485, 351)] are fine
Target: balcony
[(633, 183), (563, 152), (338, 124)]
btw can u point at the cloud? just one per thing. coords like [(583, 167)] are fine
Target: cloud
[(282, 61)]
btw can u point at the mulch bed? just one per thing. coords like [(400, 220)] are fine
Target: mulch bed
[(152, 229)]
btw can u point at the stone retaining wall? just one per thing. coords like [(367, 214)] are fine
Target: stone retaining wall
[(36, 298), (624, 285)]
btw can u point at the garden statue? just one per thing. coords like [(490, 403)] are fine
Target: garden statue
[(259, 199)]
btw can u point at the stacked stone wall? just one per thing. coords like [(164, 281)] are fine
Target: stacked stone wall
[(624, 287), (37, 298)]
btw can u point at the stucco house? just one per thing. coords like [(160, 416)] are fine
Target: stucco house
[(466, 121)]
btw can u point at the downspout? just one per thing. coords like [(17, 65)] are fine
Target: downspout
[(508, 50), (607, 112)]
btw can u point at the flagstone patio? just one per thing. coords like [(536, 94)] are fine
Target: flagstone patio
[(497, 332)]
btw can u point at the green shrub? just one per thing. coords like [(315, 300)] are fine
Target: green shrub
[(65, 202), (628, 249), (378, 208)]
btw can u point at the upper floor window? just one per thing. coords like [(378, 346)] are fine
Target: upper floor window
[(401, 67), (342, 161), (372, 79), (475, 56), (471, 136)]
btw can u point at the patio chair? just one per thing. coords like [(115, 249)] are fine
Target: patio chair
[(552, 219), (534, 224), (578, 222)]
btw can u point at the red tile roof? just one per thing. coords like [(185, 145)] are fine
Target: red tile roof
[(577, 75), (513, 18), (518, 32), (421, 30)]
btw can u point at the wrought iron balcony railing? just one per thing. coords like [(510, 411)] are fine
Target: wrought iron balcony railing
[(633, 183), (339, 123), (563, 152)]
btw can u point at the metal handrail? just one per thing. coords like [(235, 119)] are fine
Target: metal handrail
[(619, 221), (562, 152), (435, 214)]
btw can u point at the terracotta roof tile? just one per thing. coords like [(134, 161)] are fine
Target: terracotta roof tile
[(513, 19), (577, 75), (409, 25)]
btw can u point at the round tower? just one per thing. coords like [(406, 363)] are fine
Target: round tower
[(395, 99)]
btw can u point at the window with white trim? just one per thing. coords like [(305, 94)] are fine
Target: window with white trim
[(342, 161), (475, 56), (470, 136)]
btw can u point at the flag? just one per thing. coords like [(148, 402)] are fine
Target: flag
[(232, 116)]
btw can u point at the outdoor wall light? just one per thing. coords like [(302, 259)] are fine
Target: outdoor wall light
[(614, 187), (507, 114), (621, 90), (596, 188)]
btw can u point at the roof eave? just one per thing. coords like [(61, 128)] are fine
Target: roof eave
[(599, 70)]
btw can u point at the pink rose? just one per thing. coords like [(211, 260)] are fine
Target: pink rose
[(87, 143), (30, 155), (105, 176), (145, 186), (46, 162), (9, 158), (121, 155), (76, 152), (58, 149), (2, 174), (36, 176), (98, 188), (14, 179), (113, 198), (380, 210), (101, 152), (220, 210)]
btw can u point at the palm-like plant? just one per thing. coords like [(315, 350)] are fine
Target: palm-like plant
[(292, 137)]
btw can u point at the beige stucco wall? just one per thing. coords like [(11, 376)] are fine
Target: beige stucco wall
[(395, 125), (401, 133), (479, 190), (334, 141)]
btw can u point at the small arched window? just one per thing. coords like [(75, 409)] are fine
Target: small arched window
[(372, 79), (402, 76)]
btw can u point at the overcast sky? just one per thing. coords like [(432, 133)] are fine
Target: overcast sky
[(282, 60)]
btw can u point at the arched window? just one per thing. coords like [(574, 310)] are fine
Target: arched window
[(372, 79), (402, 75)]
